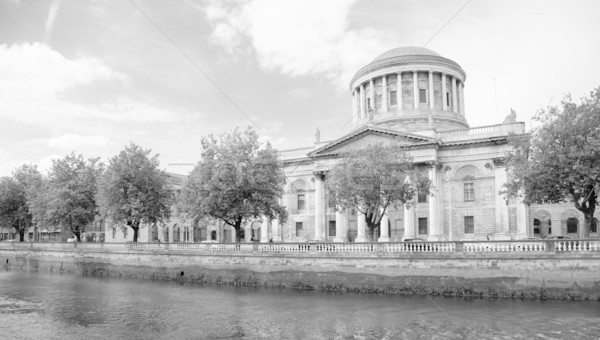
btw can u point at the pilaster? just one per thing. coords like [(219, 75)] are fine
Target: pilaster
[(500, 178), (434, 206), (409, 222), (319, 205)]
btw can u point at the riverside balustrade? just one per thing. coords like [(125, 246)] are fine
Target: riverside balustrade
[(442, 248)]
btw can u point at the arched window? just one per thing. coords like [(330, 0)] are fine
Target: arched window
[(176, 232), (154, 233), (572, 224), (213, 235), (536, 226)]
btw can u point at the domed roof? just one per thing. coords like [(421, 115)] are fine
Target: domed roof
[(406, 51)]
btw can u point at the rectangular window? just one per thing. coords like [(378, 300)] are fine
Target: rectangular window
[(298, 228), (447, 98), (114, 230), (331, 228), (421, 197), (301, 202), (393, 98), (422, 96), (423, 226), (469, 192), (469, 225)]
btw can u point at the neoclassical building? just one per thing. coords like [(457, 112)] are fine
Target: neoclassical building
[(415, 97)]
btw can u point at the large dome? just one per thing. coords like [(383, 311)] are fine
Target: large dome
[(406, 51), (410, 88)]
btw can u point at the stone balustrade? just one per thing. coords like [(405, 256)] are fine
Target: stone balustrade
[(442, 248)]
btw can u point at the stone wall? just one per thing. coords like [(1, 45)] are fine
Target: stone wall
[(542, 275)]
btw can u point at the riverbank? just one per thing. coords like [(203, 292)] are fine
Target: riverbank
[(562, 276)]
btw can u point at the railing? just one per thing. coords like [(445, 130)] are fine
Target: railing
[(482, 131), (447, 248)]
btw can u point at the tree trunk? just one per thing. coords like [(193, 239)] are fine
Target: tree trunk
[(238, 228), (587, 207), (135, 225)]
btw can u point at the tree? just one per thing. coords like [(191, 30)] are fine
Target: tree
[(133, 190), (559, 160), (67, 197), (14, 209), (373, 178), (235, 180)]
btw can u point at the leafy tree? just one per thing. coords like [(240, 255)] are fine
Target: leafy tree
[(374, 178), (67, 197), (235, 180), (133, 190), (559, 160), (14, 210)]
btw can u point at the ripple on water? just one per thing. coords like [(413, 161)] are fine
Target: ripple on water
[(56, 306)]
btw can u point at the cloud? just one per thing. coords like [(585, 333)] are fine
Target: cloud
[(71, 141), (40, 86), (296, 38)]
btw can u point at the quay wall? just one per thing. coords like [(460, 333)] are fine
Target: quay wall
[(573, 275)]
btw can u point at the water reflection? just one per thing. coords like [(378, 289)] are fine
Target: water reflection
[(36, 305)]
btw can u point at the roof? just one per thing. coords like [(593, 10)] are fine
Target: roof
[(333, 148), (406, 51)]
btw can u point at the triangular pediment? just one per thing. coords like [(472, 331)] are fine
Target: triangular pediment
[(368, 135)]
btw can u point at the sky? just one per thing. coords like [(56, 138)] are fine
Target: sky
[(91, 76)]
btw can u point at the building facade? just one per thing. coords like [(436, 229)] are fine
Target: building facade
[(414, 97)]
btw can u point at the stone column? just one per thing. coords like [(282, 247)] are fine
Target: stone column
[(521, 220), (500, 178), (454, 101), (361, 225), (431, 96), (415, 90), (434, 217), (409, 222), (341, 226), (372, 94), (275, 230), (362, 102), (462, 98), (384, 235), (247, 232), (354, 110), (399, 91), (319, 205), (264, 230), (444, 102), (384, 94)]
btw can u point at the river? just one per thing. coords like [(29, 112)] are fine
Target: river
[(55, 306)]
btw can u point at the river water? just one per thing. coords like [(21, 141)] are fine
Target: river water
[(55, 306)]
